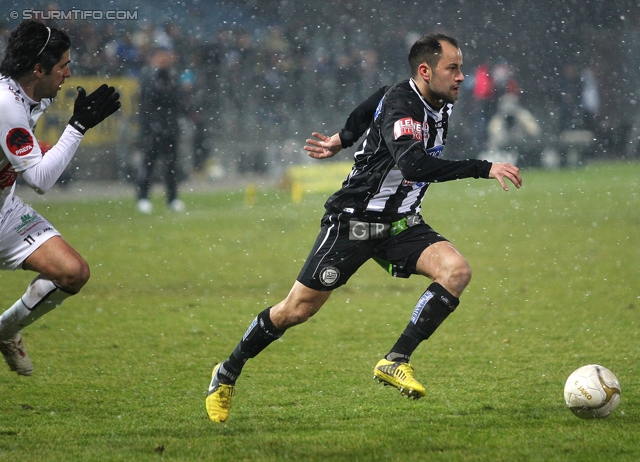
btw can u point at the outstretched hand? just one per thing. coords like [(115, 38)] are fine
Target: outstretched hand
[(90, 110), (325, 147), (502, 170)]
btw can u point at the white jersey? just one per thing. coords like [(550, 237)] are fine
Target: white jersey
[(20, 150)]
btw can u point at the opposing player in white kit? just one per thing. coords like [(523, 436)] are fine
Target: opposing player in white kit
[(35, 65)]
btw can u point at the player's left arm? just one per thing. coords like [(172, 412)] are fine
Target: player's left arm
[(89, 111), (502, 170), (42, 176), (402, 130)]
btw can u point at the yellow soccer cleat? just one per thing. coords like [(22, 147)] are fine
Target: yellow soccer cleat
[(218, 401), (399, 375)]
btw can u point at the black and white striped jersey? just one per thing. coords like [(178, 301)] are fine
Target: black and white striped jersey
[(400, 157)]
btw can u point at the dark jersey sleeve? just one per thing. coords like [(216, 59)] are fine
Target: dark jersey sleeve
[(360, 119), (420, 166), (401, 129)]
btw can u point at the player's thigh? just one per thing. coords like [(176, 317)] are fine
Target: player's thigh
[(22, 232), (438, 258), (56, 259), (399, 254)]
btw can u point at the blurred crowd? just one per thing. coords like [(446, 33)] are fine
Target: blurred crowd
[(237, 86), (251, 89), (505, 129)]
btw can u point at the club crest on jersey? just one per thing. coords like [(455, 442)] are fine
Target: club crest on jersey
[(19, 141), (407, 126), (329, 276)]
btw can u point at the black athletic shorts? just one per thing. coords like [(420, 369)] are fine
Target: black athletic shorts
[(345, 243)]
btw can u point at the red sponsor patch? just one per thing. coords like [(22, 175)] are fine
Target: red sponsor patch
[(409, 127), (19, 141)]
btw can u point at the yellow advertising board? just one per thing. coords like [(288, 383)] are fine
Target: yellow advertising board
[(107, 133), (324, 177)]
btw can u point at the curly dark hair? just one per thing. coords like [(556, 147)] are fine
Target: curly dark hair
[(428, 49), (30, 44)]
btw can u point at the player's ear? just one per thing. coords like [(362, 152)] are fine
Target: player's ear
[(424, 71), (38, 69)]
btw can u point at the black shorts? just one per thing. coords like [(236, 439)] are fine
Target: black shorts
[(345, 243)]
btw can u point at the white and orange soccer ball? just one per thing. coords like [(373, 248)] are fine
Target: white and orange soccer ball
[(592, 392)]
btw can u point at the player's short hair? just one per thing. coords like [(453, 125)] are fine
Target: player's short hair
[(428, 49), (32, 43)]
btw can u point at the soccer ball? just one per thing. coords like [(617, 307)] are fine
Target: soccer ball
[(592, 392)]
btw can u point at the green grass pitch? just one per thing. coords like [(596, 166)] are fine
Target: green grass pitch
[(121, 370)]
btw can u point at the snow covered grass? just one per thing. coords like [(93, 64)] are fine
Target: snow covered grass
[(121, 370)]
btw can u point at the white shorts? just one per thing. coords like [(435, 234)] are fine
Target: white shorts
[(22, 231)]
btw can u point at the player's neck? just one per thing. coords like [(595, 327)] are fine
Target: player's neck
[(28, 85), (435, 102)]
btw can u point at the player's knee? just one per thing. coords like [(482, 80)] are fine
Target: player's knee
[(75, 276), (291, 314), (300, 314), (457, 276), (462, 275)]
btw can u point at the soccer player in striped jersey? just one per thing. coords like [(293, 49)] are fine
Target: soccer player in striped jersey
[(376, 215)]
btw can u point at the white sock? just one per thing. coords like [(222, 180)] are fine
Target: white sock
[(41, 296)]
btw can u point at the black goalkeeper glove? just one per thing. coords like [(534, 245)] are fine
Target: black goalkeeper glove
[(89, 111)]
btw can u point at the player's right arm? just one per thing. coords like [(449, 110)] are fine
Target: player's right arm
[(356, 125)]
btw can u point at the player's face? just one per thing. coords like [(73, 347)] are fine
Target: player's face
[(444, 85), (50, 84)]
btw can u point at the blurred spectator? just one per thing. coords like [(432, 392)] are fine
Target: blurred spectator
[(142, 38), (324, 81), (483, 102), (580, 101), (160, 107), (5, 31), (193, 101), (580, 98), (163, 37), (590, 98), (503, 79), (368, 73), (570, 89), (347, 79), (515, 131), (128, 55)]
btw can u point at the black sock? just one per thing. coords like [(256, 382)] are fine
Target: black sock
[(431, 310), (260, 335)]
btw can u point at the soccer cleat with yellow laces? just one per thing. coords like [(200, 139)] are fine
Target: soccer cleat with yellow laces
[(399, 375), (218, 401)]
